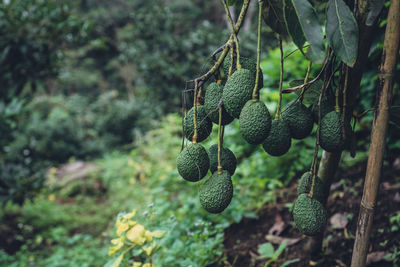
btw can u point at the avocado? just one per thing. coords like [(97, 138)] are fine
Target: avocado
[(193, 162), (299, 119), (237, 90), (217, 192), (309, 215), (279, 140), (327, 105), (204, 124), (254, 122), (211, 101), (305, 183), (228, 159), (247, 63), (331, 132)]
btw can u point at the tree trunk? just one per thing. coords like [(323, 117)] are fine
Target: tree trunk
[(330, 161), (378, 135)]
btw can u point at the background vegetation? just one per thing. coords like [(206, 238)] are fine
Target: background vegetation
[(101, 82)]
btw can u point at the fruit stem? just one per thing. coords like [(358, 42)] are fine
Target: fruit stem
[(228, 15), (255, 89), (199, 96), (231, 64), (346, 81), (337, 106), (305, 81), (220, 139), (278, 109), (194, 138)]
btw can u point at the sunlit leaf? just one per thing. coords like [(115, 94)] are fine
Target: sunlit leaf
[(342, 31), (302, 25), (136, 234), (117, 261)]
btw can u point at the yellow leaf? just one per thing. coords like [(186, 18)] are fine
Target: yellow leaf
[(115, 249), (136, 234), (148, 250), (158, 233), (136, 264), (116, 241), (148, 265), (148, 235), (121, 227), (129, 215), (52, 197), (131, 223), (117, 262)]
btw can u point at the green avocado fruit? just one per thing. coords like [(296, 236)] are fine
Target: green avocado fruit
[(309, 215), (217, 192), (212, 99), (204, 124), (279, 140), (237, 91), (193, 162), (247, 63), (228, 159), (254, 122), (305, 183), (331, 133), (299, 119)]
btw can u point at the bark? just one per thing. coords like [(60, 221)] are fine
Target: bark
[(330, 161), (378, 135)]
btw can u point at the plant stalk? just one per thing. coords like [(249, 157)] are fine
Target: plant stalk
[(378, 135)]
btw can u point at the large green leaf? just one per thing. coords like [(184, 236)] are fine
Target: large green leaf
[(272, 13), (342, 31), (302, 25)]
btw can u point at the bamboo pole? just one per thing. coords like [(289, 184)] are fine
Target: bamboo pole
[(378, 135)]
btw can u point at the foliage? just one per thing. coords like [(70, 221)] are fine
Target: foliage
[(267, 251), (54, 129), (34, 34)]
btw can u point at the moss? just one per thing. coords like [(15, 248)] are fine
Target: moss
[(204, 124), (217, 192), (305, 183), (327, 105), (211, 101), (247, 63), (309, 215), (254, 122), (238, 89), (299, 119), (193, 162), (279, 140), (228, 159), (331, 134)]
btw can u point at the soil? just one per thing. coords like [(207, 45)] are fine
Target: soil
[(242, 239)]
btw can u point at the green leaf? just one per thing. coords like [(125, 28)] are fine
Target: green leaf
[(272, 14), (280, 249), (288, 262), (302, 25), (266, 250), (312, 91), (342, 31), (118, 260), (231, 2)]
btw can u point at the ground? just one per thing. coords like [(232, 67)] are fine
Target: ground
[(275, 225)]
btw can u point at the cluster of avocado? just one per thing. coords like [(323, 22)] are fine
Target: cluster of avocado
[(308, 213), (234, 95)]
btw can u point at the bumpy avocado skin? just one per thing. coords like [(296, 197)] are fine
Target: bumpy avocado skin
[(204, 124), (228, 159), (193, 162), (309, 215), (238, 89), (247, 63), (299, 119), (254, 122), (331, 134), (217, 192), (305, 183), (327, 105), (279, 140), (211, 101)]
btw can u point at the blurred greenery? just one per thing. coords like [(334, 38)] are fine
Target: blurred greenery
[(100, 82)]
